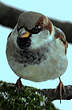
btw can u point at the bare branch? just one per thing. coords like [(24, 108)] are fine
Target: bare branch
[(52, 94), (8, 15)]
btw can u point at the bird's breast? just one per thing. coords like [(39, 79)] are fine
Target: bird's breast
[(47, 62)]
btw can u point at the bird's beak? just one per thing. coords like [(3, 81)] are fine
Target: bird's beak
[(25, 35)]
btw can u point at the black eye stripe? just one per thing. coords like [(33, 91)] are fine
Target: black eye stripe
[(36, 29)]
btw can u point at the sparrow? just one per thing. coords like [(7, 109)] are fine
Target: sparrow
[(36, 49)]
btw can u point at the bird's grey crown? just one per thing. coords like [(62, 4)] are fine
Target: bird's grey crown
[(28, 19)]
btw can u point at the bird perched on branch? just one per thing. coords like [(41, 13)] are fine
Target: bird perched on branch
[(36, 49)]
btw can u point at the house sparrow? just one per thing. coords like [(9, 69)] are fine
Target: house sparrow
[(36, 49)]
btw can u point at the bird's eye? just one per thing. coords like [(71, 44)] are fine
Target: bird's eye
[(36, 29)]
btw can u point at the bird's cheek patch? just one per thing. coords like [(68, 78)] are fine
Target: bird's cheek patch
[(25, 35)]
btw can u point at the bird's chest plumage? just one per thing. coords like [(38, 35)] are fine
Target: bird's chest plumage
[(44, 63)]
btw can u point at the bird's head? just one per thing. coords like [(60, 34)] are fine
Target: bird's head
[(34, 29)]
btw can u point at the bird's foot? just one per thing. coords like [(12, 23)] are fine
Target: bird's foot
[(19, 85), (60, 89)]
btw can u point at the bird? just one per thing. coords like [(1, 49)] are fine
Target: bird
[(36, 49)]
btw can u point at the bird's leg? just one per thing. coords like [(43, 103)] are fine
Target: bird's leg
[(60, 89), (19, 85)]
